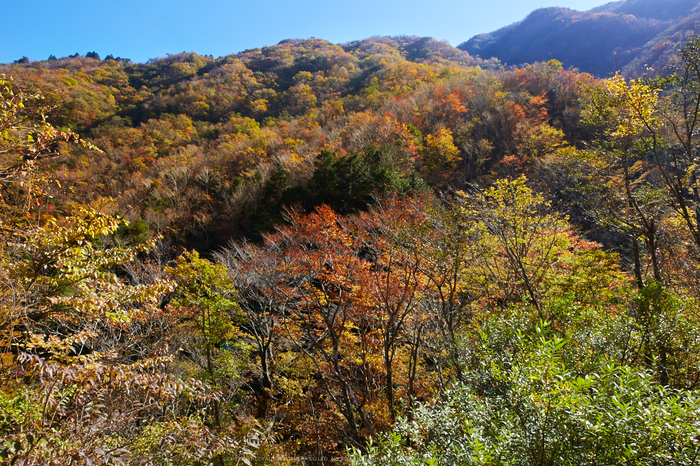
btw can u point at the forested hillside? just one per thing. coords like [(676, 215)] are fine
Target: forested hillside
[(380, 252), (639, 37)]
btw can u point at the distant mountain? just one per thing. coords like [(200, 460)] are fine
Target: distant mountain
[(628, 35), (663, 10)]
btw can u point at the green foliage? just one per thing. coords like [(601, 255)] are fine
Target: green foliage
[(537, 411), (344, 183), (348, 183), (205, 287), (136, 233), (206, 300)]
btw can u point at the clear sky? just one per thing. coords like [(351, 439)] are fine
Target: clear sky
[(143, 29)]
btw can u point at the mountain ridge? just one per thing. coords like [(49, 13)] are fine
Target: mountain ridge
[(631, 36)]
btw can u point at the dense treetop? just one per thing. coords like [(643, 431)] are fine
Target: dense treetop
[(380, 252)]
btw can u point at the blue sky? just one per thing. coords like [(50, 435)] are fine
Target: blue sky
[(143, 29)]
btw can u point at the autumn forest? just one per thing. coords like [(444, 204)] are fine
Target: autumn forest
[(382, 252)]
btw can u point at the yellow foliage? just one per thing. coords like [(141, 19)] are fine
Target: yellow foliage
[(440, 154)]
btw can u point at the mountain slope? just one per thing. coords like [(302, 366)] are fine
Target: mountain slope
[(600, 41)]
